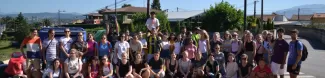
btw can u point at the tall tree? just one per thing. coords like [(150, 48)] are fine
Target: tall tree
[(46, 22), (156, 5), (22, 28), (126, 5)]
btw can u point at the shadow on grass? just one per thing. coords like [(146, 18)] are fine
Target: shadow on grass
[(7, 47)]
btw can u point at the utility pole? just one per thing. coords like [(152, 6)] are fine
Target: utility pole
[(262, 7), (298, 14), (255, 8), (115, 9), (245, 14), (148, 8), (59, 20), (177, 9)]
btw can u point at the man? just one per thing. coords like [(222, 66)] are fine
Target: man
[(112, 34), (281, 48), (156, 66), (295, 54), (34, 46), (153, 23), (184, 31), (153, 45), (65, 44), (50, 48), (196, 36)]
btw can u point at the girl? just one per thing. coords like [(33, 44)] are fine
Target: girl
[(215, 40), (178, 46), (171, 66), (236, 46), (226, 45), (139, 67), (104, 47), (268, 45), (244, 68), (220, 58), (56, 71), (190, 48), (136, 47), (260, 49), (231, 67), (204, 45), (106, 68), (73, 65), (184, 65), (250, 48), (93, 67), (124, 68), (165, 53), (212, 68), (171, 40), (91, 46), (261, 70)]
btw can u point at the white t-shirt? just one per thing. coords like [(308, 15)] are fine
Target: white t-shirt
[(107, 70), (152, 23), (73, 65), (177, 46), (165, 45), (144, 42), (203, 46), (54, 74), (66, 43), (121, 48)]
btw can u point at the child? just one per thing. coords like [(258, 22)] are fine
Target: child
[(93, 67), (261, 70), (231, 67)]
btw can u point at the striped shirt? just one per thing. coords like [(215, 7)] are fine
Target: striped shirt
[(51, 49)]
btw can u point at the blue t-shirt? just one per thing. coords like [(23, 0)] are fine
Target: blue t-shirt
[(103, 49), (293, 52)]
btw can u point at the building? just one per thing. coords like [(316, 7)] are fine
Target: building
[(318, 19), (304, 19), (92, 18), (267, 16), (190, 18), (281, 20)]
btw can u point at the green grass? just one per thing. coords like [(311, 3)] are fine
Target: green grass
[(6, 50)]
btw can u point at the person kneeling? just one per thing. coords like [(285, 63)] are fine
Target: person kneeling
[(156, 66), (73, 65)]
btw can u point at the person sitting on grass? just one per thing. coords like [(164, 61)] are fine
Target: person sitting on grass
[(261, 70), (106, 68), (93, 67), (56, 70), (73, 65)]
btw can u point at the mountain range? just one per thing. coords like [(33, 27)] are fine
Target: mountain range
[(47, 15)]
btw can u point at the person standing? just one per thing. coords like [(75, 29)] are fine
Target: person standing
[(104, 47), (260, 50), (81, 46), (236, 46), (92, 50), (50, 48), (152, 23), (153, 46), (136, 47), (268, 45), (250, 48), (226, 45), (190, 48), (34, 46), (165, 45), (178, 46), (295, 54), (281, 48), (65, 44), (112, 34), (216, 40), (204, 45)]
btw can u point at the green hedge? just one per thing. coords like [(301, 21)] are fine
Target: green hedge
[(85, 26)]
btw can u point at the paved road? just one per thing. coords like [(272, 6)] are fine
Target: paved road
[(313, 67)]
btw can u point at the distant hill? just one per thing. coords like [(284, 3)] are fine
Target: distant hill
[(304, 10), (47, 15)]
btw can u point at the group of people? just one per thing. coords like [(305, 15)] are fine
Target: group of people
[(163, 55)]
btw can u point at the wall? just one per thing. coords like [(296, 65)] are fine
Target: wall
[(311, 33)]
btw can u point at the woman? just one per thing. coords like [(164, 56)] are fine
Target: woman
[(139, 67), (171, 40), (184, 66), (260, 49), (236, 46), (226, 45), (190, 48), (124, 68), (250, 48), (91, 47), (261, 70), (93, 67), (268, 45), (215, 40), (171, 66), (212, 67), (106, 68), (55, 71), (178, 46), (220, 58), (204, 45), (73, 65), (165, 53), (198, 65), (122, 47), (244, 68), (104, 47), (81, 46), (136, 47), (231, 67)]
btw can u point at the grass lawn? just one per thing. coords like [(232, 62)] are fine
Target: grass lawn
[(6, 50)]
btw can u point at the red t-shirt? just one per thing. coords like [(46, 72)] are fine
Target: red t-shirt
[(262, 72)]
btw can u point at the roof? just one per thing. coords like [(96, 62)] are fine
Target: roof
[(127, 9), (179, 16), (287, 23), (280, 18), (267, 16), (93, 14), (319, 15), (301, 17)]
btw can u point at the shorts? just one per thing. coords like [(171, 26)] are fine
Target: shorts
[(35, 63), (165, 54), (295, 71), (276, 70), (162, 74)]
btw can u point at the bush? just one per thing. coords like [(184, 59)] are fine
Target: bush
[(94, 30), (139, 20)]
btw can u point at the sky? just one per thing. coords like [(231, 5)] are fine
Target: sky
[(91, 6)]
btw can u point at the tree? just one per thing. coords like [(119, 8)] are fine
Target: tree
[(139, 20), (22, 28), (222, 17), (126, 5), (156, 5), (46, 22), (9, 21)]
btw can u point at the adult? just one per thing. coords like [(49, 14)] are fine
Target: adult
[(183, 31), (50, 48), (153, 46), (139, 67), (178, 46), (232, 67), (127, 36), (104, 47), (244, 67), (196, 35), (220, 58), (236, 46), (124, 68), (260, 50), (226, 45), (295, 54), (212, 67), (156, 65), (81, 46), (216, 40), (184, 66), (122, 47), (172, 66), (106, 68), (165, 45), (112, 34), (34, 46), (143, 41), (91, 46), (268, 45), (65, 44), (93, 67), (73, 65), (136, 47), (250, 48), (204, 44), (281, 48), (56, 71), (190, 48), (198, 65), (152, 23)]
